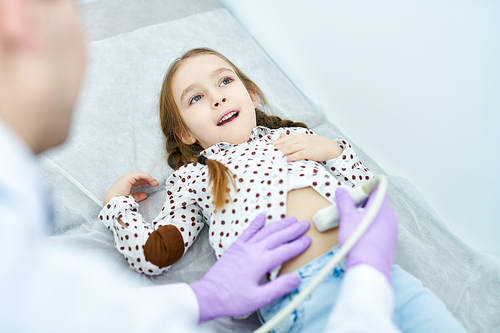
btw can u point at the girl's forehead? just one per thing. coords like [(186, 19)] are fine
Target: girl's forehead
[(199, 65), (196, 69)]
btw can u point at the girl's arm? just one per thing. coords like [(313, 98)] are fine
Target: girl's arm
[(348, 168), (148, 248), (337, 156), (304, 146), (124, 185)]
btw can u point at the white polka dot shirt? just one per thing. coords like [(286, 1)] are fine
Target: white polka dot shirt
[(263, 179)]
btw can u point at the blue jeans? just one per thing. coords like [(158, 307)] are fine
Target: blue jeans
[(417, 309)]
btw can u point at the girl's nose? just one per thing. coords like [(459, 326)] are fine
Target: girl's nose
[(220, 101)]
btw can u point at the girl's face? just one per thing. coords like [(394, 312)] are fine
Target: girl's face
[(213, 103)]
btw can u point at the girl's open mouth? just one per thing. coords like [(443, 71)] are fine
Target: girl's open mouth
[(229, 117)]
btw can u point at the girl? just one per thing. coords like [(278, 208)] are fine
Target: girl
[(232, 161)]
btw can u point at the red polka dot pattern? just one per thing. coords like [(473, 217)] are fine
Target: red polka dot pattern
[(263, 179)]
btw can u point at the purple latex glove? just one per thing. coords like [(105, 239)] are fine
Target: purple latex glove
[(230, 288), (377, 245)]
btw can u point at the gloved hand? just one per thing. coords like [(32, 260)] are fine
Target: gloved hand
[(377, 245), (230, 288)]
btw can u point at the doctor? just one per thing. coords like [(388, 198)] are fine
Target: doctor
[(48, 289)]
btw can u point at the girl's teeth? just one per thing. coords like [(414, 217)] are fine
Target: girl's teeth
[(229, 115)]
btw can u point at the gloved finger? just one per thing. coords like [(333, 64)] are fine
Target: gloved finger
[(273, 228), (279, 287), (371, 197), (254, 227), (288, 234), (285, 252), (345, 205), (390, 215)]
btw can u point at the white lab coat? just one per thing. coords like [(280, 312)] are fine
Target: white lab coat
[(49, 289), (365, 303)]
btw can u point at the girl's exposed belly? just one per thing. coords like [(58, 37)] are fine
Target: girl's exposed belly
[(303, 204)]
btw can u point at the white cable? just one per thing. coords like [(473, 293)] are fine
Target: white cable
[(365, 223), (74, 181)]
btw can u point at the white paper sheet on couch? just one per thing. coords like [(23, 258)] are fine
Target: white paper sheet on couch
[(116, 131)]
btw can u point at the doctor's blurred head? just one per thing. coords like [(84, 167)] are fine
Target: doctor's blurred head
[(42, 61)]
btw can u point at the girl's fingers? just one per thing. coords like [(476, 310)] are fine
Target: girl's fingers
[(288, 148), (139, 196), (299, 155), (141, 178), (281, 141), (137, 182)]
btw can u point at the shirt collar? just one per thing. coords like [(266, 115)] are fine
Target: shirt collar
[(257, 133)]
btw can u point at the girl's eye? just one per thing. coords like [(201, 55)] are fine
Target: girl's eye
[(195, 99), (226, 81)]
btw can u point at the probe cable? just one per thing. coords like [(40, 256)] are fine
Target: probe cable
[(330, 265)]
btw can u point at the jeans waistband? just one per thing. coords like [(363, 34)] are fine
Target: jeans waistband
[(315, 265)]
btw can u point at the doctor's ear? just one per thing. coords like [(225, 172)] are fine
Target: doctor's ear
[(186, 137), (17, 27)]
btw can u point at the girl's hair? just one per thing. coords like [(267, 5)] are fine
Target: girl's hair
[(179, 153)]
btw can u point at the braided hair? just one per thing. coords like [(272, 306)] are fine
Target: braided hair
[(180, 153)]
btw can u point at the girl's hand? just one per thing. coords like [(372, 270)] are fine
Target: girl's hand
[(126, 182), (305, 146)]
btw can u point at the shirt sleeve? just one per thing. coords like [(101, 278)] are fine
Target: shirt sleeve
[(347, 168), (365, 303), (151, 248), (65, 287)]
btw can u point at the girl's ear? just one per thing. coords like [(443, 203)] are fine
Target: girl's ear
[(254, 98), (186, 137)]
